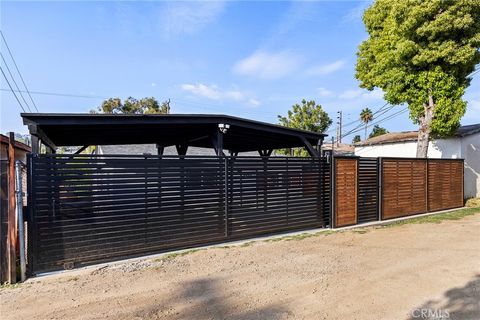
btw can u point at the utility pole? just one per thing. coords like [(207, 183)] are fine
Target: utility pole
[(168, 106), (339, 127)]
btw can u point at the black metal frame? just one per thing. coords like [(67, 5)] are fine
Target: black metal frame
[(180, 130), (86, 192)]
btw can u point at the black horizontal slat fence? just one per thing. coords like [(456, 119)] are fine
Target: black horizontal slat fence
[(367, 190), (89, 209)]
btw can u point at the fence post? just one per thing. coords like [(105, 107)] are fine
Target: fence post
[(332, 192), (357, 187), (31, 240), (226, 194), (380, 187), (19, 209), (11, 221), (427, 185)]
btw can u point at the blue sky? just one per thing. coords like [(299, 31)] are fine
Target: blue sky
[(249, 59)]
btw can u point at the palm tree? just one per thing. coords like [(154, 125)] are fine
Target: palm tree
[(366, 116)]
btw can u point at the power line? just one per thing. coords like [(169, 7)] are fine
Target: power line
[(18, 70), (18, 100), (359, 120), (59, 94), (379, 121), (15, 82), (474, 72)]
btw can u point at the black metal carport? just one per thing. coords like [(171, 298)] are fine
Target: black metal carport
[(85, 209), (220, 132)]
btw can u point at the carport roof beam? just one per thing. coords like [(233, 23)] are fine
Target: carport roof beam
[(197, 130)]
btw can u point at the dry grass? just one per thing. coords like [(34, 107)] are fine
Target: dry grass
[(473, 203)]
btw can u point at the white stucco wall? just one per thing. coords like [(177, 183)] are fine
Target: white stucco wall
[(450, 148), (467, 148), (470, 150)]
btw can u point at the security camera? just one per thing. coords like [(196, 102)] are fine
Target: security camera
[(223, 127)]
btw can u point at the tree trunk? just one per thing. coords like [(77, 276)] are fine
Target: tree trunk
[(425, 128), (366, 131)]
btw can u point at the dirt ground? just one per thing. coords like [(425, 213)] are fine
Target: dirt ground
[(374, 273)]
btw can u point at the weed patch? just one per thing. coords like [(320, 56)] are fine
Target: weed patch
[(436, 218), (174, 255)]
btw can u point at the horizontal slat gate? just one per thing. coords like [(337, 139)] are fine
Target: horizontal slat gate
[(367, 189), (89, 209), (274, 195), (326, 191)]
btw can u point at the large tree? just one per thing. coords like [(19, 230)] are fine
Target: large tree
[(133, 106), (306, 116), (420, 53), (377, 131)]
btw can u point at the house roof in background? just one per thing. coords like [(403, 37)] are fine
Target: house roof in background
[(18, 145), (152, 150), (170, 129), (394, 137), (468, 130), (340, 147), (391, 137)]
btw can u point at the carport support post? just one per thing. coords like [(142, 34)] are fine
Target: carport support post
[(35, 144), (380, 187)]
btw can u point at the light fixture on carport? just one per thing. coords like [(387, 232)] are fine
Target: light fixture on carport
[(223, 127)]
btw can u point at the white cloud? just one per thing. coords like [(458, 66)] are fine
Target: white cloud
[(326, 68), (351, 94), (267, 65), (362, 94), (323, 92), (213, 92), (202, 90), (180, 17), (153, 84), (254, 102), (235, 95)]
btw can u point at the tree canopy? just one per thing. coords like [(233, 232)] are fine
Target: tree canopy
[(356, 139), (421, 53), (306, 116), (133, 106), (377, 131)]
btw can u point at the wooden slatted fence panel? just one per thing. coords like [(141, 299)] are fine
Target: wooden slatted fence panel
[(404, 187), (445, 184), (345, 191)]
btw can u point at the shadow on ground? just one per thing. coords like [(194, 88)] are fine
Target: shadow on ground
[(461, 303), (206, 299)]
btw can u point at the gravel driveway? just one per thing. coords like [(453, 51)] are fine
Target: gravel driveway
[(372, 273)]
